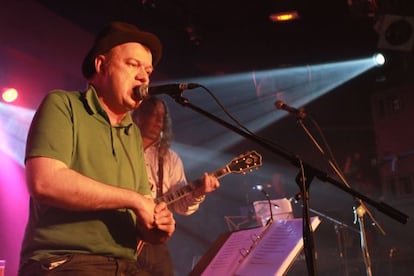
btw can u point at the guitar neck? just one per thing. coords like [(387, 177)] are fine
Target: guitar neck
[(240, 164), (183, 191), (219, 173)]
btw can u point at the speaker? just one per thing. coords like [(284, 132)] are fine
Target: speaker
[(396, 32)]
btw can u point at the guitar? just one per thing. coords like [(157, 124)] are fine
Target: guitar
[(246, 162)]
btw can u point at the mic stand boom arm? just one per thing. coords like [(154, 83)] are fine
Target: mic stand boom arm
[(309, 171)]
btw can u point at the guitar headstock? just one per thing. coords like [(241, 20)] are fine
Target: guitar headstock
[(246, 162)]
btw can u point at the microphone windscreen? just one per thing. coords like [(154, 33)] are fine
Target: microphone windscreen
[(278, 104)]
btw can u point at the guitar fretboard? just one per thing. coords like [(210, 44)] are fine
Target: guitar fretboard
[(241, 164), (183, 191)]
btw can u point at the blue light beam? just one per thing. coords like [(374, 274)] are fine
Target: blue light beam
[(14, 126), (250, 97)]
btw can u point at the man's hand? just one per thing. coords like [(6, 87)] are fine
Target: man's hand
[(164, 221), (209, 184), (161, 226)]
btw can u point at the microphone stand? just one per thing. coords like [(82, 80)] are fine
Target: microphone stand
[(305, 177), (359, 211), (339, 236)]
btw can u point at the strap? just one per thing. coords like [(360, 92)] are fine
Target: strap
[(160, 174)]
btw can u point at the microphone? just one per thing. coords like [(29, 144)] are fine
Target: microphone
[(145, 91), (299, 113), (270, 220)]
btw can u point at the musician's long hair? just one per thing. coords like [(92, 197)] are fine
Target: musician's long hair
[(147, 106)]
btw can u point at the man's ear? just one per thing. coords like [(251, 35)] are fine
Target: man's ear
[(100, 64)]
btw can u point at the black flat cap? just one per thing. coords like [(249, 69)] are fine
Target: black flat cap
[(116, 33)]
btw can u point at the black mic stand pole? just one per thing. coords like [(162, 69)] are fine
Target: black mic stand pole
[(359, 211), (339, 237), (304, 177)]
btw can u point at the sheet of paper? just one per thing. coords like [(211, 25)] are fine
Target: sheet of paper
[(231, 253), (277, 250), (268, 250)]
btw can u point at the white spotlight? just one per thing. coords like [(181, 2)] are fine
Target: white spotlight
[(258, 187), (379, 59)]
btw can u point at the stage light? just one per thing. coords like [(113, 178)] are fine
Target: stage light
[(284, 11), (258, 187), (379, 59), (284, 16), (9, 95)]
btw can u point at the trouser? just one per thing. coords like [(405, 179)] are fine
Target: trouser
[(81, 265), (156, 260)]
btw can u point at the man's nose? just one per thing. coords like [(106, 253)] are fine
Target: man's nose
[(142, 75)]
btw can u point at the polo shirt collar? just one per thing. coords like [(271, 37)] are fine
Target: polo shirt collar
[(94, 107)]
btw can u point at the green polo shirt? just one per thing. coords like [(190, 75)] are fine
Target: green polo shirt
[(73, 127)]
